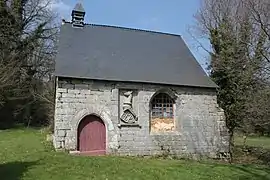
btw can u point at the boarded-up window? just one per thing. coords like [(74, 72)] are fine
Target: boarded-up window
[(162, 113)]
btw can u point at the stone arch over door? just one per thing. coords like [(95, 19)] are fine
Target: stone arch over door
[(111, 133)]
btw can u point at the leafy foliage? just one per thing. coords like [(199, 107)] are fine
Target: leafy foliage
[(239, 60), (27, 37)]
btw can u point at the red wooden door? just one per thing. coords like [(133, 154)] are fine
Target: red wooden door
[(92, 136)]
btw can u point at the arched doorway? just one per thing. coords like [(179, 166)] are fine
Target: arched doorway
[(92, 136)]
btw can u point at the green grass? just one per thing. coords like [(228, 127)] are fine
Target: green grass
[(25, 155), (254, 141)]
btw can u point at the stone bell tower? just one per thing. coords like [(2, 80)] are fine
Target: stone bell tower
[(77, 15)]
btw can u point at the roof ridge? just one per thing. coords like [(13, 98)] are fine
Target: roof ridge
[(133, 29), (129, 28)]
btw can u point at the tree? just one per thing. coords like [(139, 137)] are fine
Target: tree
[(238, 59), (27, 41)]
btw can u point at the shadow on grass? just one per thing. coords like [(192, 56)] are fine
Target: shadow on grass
[(252, 155), (15, 126), (6, 126), (14, 170), (251, 173), (244, 172), (262, 154)]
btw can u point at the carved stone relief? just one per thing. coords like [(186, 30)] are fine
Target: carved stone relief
[(128, 115)]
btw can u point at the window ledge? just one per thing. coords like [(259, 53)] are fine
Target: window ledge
[(129, 125)]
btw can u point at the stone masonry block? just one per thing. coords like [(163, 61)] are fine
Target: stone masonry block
[(114, 110), (68, 117), (114, 94), (61, 133), (82, 86), (98, 93), (57, 144), (85, 91), (68, 86), (69, 133), (61, 90), (127, 138), (68, 100), (62, 125), (143, 110), (97, 86), (74, 91), (58, 95), (66, 105), (68, 95), (83, 101), (59, 138), (81, 96), (57, 117)]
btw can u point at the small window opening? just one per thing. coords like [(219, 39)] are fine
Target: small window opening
[(162, 113)]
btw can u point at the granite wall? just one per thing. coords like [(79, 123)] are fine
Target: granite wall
[(199, 122)]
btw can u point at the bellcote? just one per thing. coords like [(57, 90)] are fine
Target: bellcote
[(77, 15)]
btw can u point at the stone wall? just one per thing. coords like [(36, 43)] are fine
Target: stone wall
[(199, 122)]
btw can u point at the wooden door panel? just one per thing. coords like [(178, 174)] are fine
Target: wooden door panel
[(92, 135)]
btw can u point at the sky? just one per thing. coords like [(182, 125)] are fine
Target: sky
[(173, 16)]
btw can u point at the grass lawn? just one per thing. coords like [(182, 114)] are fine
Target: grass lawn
[(25, 155), (263, 142)]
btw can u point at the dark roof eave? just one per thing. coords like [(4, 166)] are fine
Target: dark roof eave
[(139, 81)]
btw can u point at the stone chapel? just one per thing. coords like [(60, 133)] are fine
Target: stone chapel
[(126, 91)]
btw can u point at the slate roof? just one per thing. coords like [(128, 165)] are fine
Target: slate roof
[(123, 54)]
